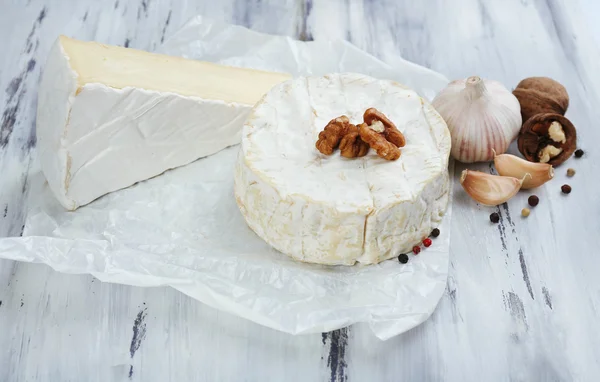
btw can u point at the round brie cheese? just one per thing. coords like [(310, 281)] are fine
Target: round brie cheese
[(330, 209)]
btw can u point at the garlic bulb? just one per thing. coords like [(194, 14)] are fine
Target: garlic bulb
[(482, 116)]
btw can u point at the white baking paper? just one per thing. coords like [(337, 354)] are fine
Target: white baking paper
[(183, 228)]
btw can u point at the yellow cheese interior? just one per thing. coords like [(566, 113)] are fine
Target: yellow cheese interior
[(119, 67)]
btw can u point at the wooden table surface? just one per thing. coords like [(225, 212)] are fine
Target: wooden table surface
[(523, 297)]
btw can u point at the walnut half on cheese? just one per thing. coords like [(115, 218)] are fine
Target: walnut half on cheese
[(109, 117), (328, 209)]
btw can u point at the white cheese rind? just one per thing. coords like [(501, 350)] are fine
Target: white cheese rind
[(55, 97), (95, 139), (333, 210), (139, 134)]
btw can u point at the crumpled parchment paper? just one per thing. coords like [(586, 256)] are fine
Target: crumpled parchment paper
[(183, 229)]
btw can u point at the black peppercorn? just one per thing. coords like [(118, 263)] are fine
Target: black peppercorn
[(494, 217), (435, 232), (533, 200), (578, 153), (403, 258), (566, 189)]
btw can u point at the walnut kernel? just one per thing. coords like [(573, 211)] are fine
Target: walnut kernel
[(547, 153), (377, 132), (556, 133), (352, 146), (378, 142), (392, 134), (330, 137)]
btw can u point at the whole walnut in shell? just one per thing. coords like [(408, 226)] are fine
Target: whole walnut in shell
[(538, 95)]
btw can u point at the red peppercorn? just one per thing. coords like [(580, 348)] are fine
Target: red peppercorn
[(427, 242), (416, 249)]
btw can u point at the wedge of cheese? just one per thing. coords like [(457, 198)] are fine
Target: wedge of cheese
[(109, 117)]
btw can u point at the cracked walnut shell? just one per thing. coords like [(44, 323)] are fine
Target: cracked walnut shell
[(547, 138), (538, 95)]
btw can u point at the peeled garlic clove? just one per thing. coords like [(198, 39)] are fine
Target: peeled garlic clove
[(490, 190), (513, 166)]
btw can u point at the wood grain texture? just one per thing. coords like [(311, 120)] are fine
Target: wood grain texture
[(522, 299)]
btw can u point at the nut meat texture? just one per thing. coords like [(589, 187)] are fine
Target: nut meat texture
[(351, 145), (331, 136), (391, 133), (384, 148), (355, 141)]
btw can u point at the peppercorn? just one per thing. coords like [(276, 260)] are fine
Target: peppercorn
[(435, 232), (566, 189), (533, 200), (416, 249), (579, 153), (525, 212), (570, 172), (403, 258), (427, 242), (494, 217)]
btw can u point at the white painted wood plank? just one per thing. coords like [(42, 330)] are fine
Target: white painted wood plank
[(515, 306), (92, 324), (522, 299)]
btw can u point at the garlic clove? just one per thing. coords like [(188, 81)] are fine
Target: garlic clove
[(490, 190), (513, 166)]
